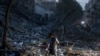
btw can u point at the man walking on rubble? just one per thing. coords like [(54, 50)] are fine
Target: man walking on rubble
[(52, 46)]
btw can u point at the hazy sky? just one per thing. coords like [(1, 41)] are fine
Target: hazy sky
[(82, 3)]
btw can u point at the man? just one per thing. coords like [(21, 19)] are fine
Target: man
[(52, 47)]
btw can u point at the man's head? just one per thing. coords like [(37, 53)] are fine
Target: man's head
[(51, 35)]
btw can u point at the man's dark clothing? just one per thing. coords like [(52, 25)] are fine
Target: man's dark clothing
[(52, 46)]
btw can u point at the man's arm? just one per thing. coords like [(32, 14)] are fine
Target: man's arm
[(57, 41)]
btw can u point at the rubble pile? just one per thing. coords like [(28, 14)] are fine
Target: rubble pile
[(36, 49)]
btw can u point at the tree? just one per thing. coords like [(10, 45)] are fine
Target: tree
[(67, 12), (4, 43)]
